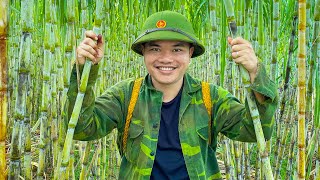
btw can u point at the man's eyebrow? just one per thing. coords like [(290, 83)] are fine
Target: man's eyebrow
[(180, 44), (152, 44)]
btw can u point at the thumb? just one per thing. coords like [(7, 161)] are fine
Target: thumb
[(100, 42), (229, 40)]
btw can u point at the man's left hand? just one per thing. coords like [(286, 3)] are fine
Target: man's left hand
[(243, 53)]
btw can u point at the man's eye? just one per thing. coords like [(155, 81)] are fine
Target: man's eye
[(154, 49), (177, 50)]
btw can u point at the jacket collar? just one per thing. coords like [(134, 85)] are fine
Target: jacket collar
[(190, 84)]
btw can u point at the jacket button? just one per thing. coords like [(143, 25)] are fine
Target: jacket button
[(152, 153)]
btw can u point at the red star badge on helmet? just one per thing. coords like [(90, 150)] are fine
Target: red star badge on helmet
[(161, 24)]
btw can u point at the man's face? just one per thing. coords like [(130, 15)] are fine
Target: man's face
[(167, 61)]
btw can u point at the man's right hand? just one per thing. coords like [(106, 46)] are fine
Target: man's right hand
[(92, 47)]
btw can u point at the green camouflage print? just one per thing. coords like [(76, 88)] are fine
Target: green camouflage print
[(99, 116)]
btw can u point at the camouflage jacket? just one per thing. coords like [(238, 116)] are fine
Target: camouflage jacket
[(101, 115)]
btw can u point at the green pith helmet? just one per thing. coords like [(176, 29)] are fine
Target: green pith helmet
[(168, 25)]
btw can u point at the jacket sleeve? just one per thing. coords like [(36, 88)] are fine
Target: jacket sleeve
[(233, 119), (98, 116)]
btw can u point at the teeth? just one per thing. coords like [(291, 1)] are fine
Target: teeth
[(166, 68)]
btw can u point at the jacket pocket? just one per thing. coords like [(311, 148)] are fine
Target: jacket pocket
[(203, 132), (135, 136)]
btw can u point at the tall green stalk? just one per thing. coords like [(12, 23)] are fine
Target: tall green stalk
[(78, 103), (301, 90), (48, 45), (275, 34), (3, 85), (251, 101), (22, 89), (288, 121), (317, 174), (311, 147)]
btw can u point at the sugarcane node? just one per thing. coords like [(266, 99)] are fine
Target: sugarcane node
[(3, 37), (264, 154), (233, 27), (3, 88)]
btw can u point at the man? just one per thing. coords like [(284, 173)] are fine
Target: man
[(168, 134)]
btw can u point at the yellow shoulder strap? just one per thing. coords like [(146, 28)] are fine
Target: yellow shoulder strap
[(132, 104), (207, 102)]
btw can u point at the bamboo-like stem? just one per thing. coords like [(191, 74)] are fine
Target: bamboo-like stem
[(21, 90), (247, 169), (251, 101), (317, 115), (311, 147), (288, 75), (71, 172), (288, 125), (258, 175), (214, 43), (98, 160), (227, 159), (275, 34), (104, 158), (291, 154), (44, 119), (317, 170), (78, 103), (85, 159), (237, 150), (3, 85), (68, 58), (301, 89), (27, 149)]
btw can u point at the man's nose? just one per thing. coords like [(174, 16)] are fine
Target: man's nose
[(166, 56)]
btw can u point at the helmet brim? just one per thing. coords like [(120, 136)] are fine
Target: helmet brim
[(168, 35)]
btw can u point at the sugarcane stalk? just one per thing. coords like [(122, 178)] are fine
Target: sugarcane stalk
[(237, 150), (69, 43), (317, 170), (288, 74), (27, 150), (104, 158), (60, 134), (3, 85), (110, 169), (288, 125), (301, 89), (70, 172), (45, 111), (317, 116), (65, 67), (291, 154), (275, 34), (79, 99), (227, 159), (85, 160), (251, 101), (247, 168), (312, 75), (22, 88)]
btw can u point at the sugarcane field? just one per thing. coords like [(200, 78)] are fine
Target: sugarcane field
[(39, 67)]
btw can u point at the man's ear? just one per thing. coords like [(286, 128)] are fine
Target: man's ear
[(142, 48), (191, 50)]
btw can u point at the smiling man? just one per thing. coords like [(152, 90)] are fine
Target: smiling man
[(170, 134)]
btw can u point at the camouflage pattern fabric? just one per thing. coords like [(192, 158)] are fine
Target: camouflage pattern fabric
[(229, 117)]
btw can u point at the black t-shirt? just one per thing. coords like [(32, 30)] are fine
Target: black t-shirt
[(169, 162)]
